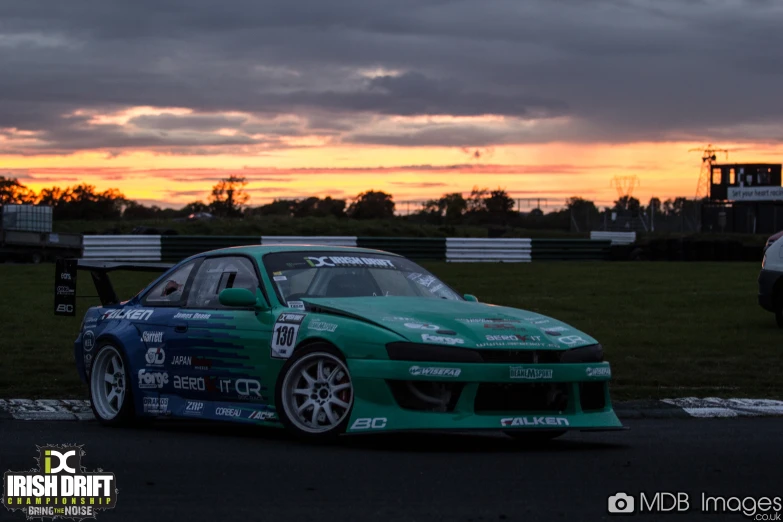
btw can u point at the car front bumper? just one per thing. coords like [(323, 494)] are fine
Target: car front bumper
[(377, 409)]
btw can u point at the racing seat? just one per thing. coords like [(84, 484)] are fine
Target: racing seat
[(358, 284)]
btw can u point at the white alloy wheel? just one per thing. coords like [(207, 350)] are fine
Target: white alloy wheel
[(109, 383), (317, 393)]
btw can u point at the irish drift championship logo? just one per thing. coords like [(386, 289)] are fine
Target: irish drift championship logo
[(61, 487)]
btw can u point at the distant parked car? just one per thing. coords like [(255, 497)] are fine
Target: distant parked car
[(200, 216), (771, 278), (772, 239)]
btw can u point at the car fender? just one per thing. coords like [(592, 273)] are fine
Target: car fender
[(353, 338)]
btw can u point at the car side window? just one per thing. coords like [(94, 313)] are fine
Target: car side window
[(171, 289), (219, 273)]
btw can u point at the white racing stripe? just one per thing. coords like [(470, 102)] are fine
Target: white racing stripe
[(717, 407)]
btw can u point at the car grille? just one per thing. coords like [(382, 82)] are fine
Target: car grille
[(592, 395), (426, 395), (529, 397), (521, 356)]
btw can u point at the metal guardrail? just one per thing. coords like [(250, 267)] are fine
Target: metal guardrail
[(617, 238), (571, 250), (310, 240), (411, 247), (176, 248), (477, 250), (122, 248)]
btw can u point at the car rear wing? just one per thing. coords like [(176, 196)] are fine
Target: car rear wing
[(65, 280)]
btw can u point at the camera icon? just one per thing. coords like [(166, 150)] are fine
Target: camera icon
[(620, 503)]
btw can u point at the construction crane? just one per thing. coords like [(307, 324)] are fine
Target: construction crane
[(624, 185), (707, 157)]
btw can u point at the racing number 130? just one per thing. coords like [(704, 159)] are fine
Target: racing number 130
[(285, 335), (283, 339)]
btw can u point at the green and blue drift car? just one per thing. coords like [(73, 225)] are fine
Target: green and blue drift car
[(325, 340)]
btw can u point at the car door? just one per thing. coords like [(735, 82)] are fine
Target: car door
[(162, 337), (229, 347)]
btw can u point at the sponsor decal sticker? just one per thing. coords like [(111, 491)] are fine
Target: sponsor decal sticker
[(228, 412), (61, 487), (132, 314), (156, 405), (321, 326), (280, 278), (262, 415), (152, 337), (397, 319), (299, 305), (376, 423), (195, 315), (534, 421), (422, 326), (487, 320), (555, 330), (601, 371), (152, 379), (520, 372), (500, 326), (248, 389), (198, 363), (427, 338), (316, 262), (88, 340), (571, 339), (434, 372), (189, 383), (194, 408), (155, 356)]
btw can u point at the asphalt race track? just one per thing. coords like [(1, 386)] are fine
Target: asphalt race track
[(209, 472)]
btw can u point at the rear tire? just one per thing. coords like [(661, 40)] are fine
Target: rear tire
[(534, 437), (314, 393), (111, 396)]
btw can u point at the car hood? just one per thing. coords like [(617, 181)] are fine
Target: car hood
[(457, 323)]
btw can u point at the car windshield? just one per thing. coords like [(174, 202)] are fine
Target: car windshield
[(340, 274)]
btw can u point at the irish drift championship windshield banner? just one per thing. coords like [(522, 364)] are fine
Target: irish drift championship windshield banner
[(60, 487)]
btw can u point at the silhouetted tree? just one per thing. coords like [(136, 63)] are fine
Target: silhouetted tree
[(372, 205), (228, 196), (13, 192)]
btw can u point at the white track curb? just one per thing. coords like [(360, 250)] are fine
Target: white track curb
[(716, 407), (710, 407)]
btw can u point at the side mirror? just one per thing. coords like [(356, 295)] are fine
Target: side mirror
[(470, 297), (237, 298)]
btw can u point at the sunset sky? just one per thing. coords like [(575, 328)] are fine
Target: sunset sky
[(552, 98)]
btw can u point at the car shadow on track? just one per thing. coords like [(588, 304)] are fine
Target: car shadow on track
[(412, 442)]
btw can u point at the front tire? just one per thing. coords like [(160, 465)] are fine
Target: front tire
[(111, 398), (314, 395)]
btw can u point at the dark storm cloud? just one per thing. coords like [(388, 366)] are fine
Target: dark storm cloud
[(619, 70)]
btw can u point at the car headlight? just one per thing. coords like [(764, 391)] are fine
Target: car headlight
[(402, 351), (584, 354)]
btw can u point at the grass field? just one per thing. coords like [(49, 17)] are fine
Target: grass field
[(669, 329)]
